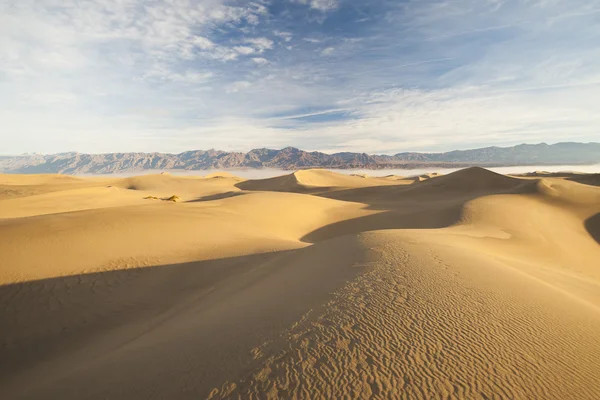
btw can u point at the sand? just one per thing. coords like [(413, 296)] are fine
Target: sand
[(313, 285)]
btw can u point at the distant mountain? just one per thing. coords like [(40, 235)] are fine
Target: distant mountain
[(523, 154), (291, 158)]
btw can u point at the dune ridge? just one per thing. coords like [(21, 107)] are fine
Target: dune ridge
[(310, 285), (312, 180)]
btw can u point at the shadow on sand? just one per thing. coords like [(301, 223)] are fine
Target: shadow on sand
[(592, 225), (47, 318), (138, 332), (435, 203), (217, 196), (586, 179)]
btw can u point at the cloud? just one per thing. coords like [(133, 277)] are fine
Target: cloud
[(69, 32), (473, 115), (193, 77), (260, 60), (260, 44), (244, 49), (286, 36), (321, 5), (202, 43)]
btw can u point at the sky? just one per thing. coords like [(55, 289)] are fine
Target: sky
[(379, 76)]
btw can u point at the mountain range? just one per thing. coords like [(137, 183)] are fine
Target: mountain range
[(291, 158)]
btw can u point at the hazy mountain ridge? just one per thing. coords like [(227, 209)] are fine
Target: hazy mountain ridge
[(292, 158)]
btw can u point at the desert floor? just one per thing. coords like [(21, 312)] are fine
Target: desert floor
[(312, 285)]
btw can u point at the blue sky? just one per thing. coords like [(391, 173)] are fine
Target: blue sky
[(377, 76)]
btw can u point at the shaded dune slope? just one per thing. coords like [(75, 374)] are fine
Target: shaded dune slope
[(592, 224), (205, 325), (437, 202), (470, 285), (586, 179)]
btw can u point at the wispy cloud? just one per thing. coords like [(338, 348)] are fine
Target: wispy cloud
[(470, 32), (312, 114), (286, 36), (260, 60), (321, 5), (399, 66), (260, 44), (244, 49)]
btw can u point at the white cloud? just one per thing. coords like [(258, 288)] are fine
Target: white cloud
[(244, 50), (194, 77), (202, 43), (68, 35), (475, 115), (260, 60), (286, 36), (321, 5), (260, 44), (327, 51)]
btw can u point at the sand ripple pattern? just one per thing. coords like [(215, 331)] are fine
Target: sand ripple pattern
[(421, 327)]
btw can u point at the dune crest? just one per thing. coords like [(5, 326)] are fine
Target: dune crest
[(312, 180)]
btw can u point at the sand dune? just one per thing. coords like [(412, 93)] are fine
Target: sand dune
[(163, 232), (64, 194), (187, 186), (41, 180), (587, 179), (312, 180), (424, 177), (470, 285), (16, 186)]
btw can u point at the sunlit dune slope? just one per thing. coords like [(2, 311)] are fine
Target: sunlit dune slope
[(161, 232), (60, 194), (166, 183), (18, 186), (41, 179)]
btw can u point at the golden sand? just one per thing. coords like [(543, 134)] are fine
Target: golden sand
[(312, 285)]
